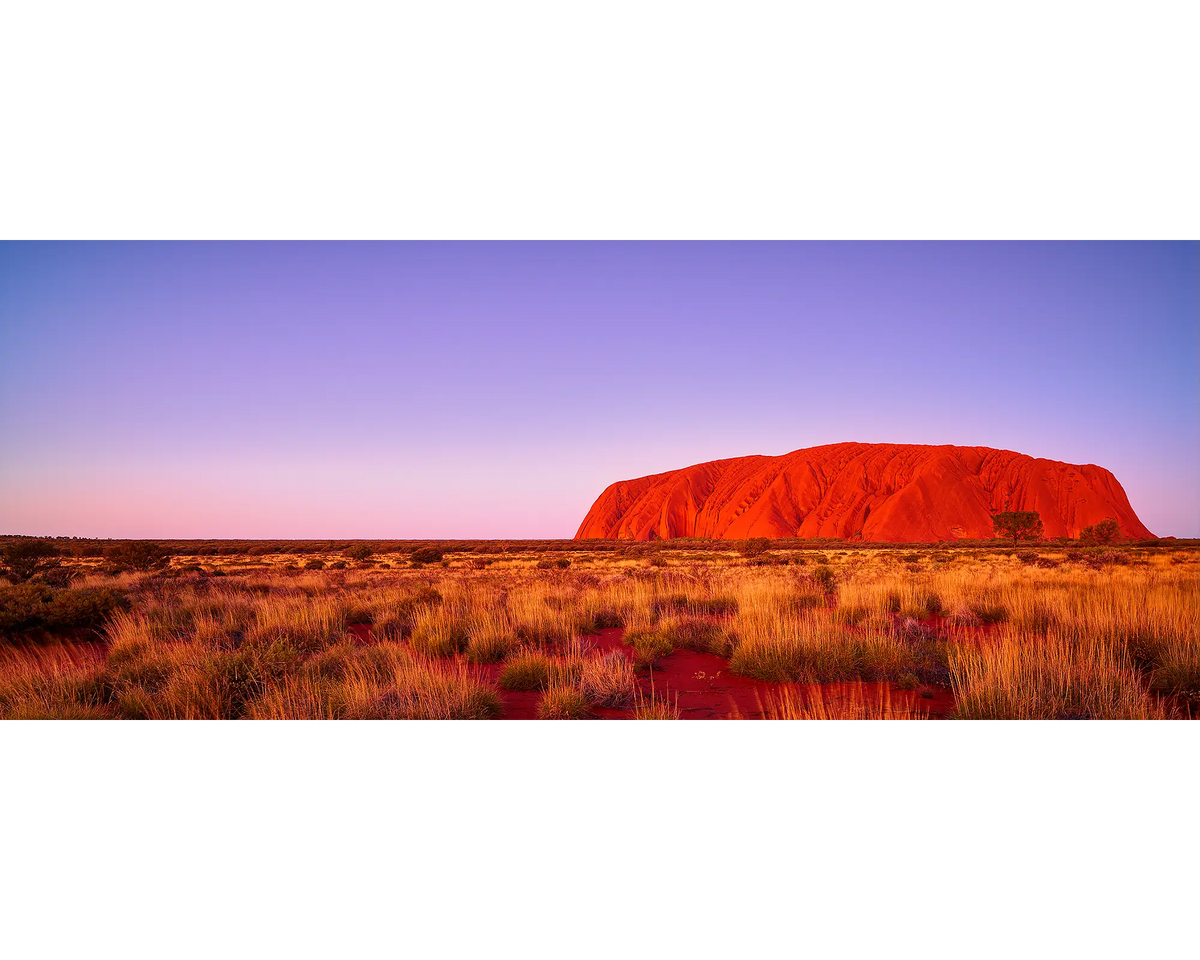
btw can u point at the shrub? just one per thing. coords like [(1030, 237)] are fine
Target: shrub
[(88, 608), (424, 555), (60, 577), (30, 607), (755, 546), (825, 577), (24, 559), (359, 552), (139, 555)]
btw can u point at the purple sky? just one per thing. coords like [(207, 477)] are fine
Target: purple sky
[(426, 390)]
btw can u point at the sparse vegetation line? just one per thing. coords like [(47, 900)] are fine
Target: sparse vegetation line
[(469, 630)]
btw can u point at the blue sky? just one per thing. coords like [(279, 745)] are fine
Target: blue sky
[(493, 390)]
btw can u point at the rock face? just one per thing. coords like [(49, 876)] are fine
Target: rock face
[(882, 492)]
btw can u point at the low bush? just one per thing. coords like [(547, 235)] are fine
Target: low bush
[(825, 577), (35, 607), (23, 559), (755, 546), (139, 555)]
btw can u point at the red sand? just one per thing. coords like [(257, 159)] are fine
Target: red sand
[(880, 492), (703, 688)]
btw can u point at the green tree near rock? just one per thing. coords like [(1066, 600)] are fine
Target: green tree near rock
[(1018, 524), (1099, 534)]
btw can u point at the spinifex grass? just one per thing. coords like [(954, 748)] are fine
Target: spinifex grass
[(1051, 677), (842, 701), (1063, 634), (563, 702), (608, 680), (657, 706), (387, 683), (812, 648)]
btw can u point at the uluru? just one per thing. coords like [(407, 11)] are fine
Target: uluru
[(879, 492)]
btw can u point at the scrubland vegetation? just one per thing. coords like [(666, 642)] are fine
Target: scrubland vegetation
[(481, 631)]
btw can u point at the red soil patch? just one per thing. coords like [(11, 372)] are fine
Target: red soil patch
[(701, 686)]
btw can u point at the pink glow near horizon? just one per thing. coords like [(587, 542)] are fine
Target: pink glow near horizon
[(493, 390)]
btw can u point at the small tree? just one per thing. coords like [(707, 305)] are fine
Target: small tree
[(140, 555), (1099, 534), (360, 552), (1018, 524)]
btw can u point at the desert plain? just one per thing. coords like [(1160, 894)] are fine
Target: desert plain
[(590, 629)]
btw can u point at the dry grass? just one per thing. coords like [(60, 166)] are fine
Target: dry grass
[(842, 701), (608, 680), (1056, 677), (657, 707), (1060, 636), (385, 682), (561, 702)]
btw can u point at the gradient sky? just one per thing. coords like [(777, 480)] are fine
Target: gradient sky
[(480, 390)]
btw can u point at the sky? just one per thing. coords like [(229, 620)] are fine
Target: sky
[(493, 390)]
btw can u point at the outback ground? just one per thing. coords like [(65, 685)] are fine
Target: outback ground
[(610, 630)]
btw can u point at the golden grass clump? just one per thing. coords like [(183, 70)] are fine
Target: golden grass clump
[(524, 671), (305, 624), (386, 682), (813, 649), (1055, 677), (608, 680), (53, 683), (656, 706), (842, 701), (563, 702)]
